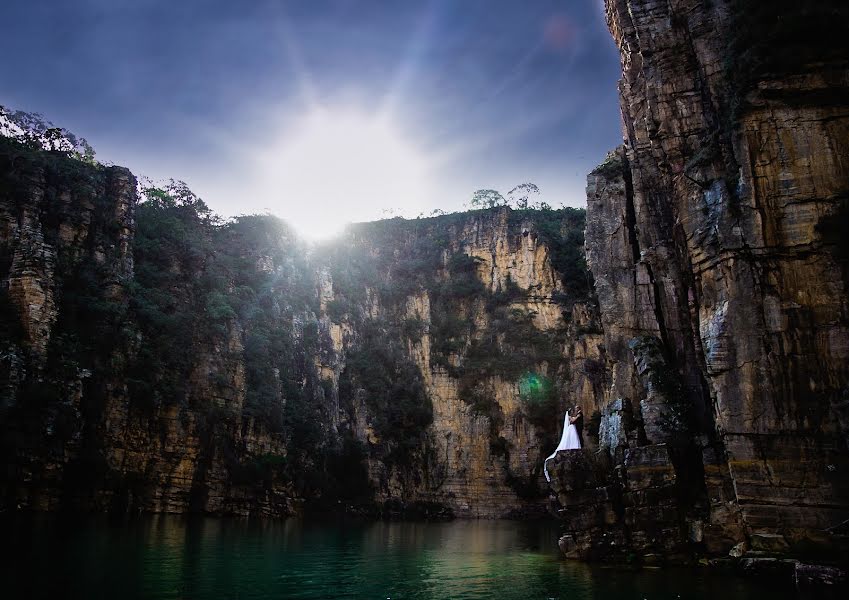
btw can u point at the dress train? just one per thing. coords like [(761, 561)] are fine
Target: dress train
[(568, 441)]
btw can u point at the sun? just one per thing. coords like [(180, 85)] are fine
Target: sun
[(337, 167)]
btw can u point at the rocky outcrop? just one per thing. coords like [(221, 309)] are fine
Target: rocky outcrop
[(722, 288)]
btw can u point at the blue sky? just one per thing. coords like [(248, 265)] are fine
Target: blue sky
[(469, 93)]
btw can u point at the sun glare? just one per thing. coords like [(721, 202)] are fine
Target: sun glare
[(334, 168)]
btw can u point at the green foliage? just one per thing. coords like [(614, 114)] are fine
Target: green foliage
[(303, 417), (209, 297), (513, 349), (481, 398), (463, 281), (412, 271), (413, 329), (512, 345), (486, 199), (520, 196), (563, 232), (218, 308), (90, 317), (449, 332), (391, 385), (337, 309), (195, 279), (409, 257), (506, 295), (611, 167), (398, 262), (35, 132), (260, 470), (171, 247)]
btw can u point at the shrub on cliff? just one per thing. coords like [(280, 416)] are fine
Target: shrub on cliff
[(562, 230), (170, 250), (379, 371), (35, 132), (463, 280)]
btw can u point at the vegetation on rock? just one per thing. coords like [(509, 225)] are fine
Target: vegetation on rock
[(232, 332)]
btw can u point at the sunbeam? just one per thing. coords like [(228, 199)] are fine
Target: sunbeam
[(408, 68), (338, 166)]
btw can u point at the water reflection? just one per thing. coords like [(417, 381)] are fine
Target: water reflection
[(171, 557)]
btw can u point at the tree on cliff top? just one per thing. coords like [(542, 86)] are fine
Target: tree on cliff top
[(520, 195), (36, 132), (519, 198), (486, 199)]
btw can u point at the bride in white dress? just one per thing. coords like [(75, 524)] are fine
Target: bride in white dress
[(570, 440)]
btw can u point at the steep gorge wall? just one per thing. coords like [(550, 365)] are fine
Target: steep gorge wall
[(503, 343), (74, 433), (715, 238), (155, 359)]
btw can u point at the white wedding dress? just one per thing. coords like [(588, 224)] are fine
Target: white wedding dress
[(569, 441)]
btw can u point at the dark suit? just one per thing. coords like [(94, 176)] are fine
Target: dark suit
[(579, 426)]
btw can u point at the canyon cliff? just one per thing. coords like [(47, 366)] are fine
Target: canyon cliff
[(717, 238), (155, 358), (158, 359)]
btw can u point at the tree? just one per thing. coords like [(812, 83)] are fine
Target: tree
[(34, 131), (521, 194), (487, 199), (175, 194)]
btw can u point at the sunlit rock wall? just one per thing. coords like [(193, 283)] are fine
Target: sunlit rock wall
[(218, 374), (716, 238), (484, 453)]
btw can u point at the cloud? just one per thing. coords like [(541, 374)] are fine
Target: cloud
[(494, 91)]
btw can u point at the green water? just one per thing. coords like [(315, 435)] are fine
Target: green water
[(204, 558)]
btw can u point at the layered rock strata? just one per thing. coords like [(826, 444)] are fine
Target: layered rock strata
[(71, 435), (486, 444), (156, 360), (722, 285)]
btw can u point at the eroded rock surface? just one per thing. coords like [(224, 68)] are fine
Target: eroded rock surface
[(722, 284), (156, 360)]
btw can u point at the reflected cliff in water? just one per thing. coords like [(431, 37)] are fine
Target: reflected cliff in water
[(174, 557)]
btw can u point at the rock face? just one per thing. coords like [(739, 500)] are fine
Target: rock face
[(501, 349), (154, 360), (722, 285), (71, 435)]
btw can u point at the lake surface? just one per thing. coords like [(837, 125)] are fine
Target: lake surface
[(204, 558)]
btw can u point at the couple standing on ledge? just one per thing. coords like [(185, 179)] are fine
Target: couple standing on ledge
[(571, 440)]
